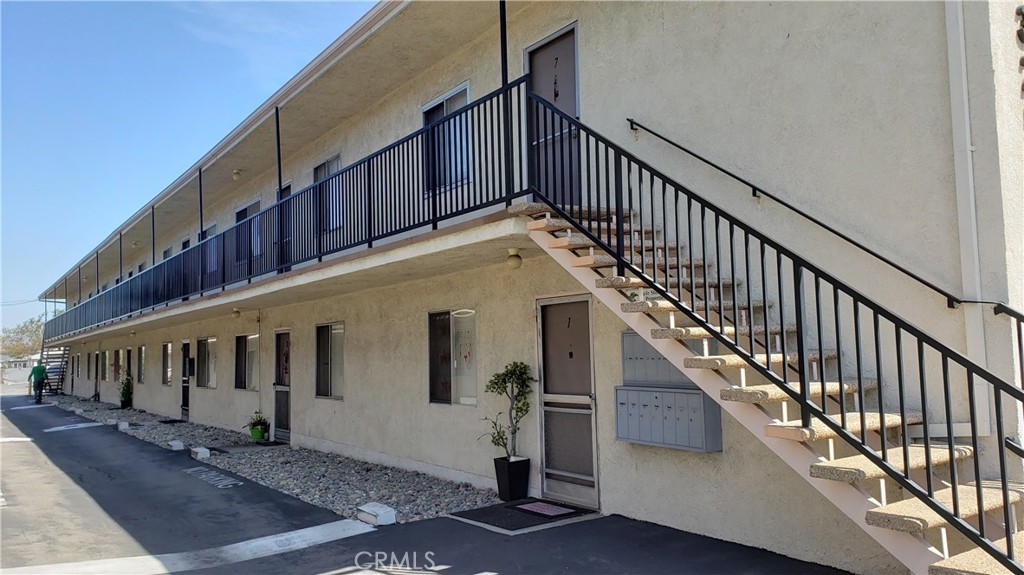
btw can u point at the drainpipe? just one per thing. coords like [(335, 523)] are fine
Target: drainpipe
[(966, 200)]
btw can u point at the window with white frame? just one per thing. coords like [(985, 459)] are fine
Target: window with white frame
[(247, 349), (206, 362), (446, 153), (330, 360), (452, 364), (141, 376), (165, 363)]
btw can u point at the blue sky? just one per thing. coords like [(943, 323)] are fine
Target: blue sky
[(105, 103)]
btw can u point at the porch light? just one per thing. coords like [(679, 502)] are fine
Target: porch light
[(463, 312), (236, 174), (234, 311), (514, 260), (132, 333)]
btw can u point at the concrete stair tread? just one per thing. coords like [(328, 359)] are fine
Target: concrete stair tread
[(734, 360), (637, 283), (553, 225), (701, 333), (977, 561), (859, 468), (771, 393), (581, 242), (607, 261), (660, 305), (913, 516), (793, 431), (532, 209)]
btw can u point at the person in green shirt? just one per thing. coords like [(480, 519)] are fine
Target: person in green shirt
[(37, 377)]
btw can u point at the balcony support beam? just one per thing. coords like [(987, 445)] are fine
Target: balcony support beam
[(152, 235), (277, 132), (200, 236)]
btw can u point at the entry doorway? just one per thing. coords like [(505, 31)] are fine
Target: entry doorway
[(569, 457), (553, 76), (282, 386), (186, 375)]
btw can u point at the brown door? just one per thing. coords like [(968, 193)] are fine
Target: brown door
[(553, 77), (282, 386), (567, 399)]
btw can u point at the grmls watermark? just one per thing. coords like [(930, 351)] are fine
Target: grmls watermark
[(383, 560)]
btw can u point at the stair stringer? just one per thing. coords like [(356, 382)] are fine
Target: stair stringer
[(911, 550)]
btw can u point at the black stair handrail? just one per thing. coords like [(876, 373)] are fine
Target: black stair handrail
[(951, 299), (586, 160)]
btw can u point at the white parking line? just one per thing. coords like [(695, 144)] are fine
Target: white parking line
[(33, 406), (73, 426), (206, 558), (14, 439)]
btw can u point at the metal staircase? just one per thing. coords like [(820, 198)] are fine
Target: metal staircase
[(857, 400), (56, 361)]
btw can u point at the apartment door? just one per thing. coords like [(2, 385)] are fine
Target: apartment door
[(186, 375), (567, 403), (284, 230), (282, 386), (553, 77)]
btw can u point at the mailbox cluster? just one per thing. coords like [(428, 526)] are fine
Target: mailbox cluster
[(658, 405)]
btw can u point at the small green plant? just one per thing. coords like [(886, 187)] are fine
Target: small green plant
[(257, 421), (514, 383), (126, 389)]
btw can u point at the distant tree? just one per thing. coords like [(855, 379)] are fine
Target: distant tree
[(23, 339)]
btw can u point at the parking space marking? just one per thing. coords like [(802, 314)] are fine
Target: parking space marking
[(73, 426), (33, 406), (206, 558)]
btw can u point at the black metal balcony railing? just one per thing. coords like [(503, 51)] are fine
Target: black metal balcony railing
[(513, 142), (461, 163)]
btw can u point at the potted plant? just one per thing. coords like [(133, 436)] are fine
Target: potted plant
[(126, 389), (258, 426), (512, 471)]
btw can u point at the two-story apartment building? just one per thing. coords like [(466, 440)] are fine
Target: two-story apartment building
[(801, 339)]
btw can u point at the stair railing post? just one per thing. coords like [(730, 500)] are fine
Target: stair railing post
[(801, 343), (531, 161), (619, 231)]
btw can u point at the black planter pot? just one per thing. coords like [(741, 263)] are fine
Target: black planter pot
[(126, 404), (513, 478)]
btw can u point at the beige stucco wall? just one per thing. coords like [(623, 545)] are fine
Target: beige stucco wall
[(385, 416)]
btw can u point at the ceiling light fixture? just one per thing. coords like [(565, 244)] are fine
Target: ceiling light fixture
[(514, 260), (236, 174)]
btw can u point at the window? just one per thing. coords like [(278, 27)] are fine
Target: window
[(209, 232), (165, 363), (452, 357), (244, 247), (447, 155), (118, 363), (168, 252), (104, 364), (128, 362), (331, 166), (88, 364), (142, 267), (141, 378), (330, 360), (246, 355), (206, 360), (78, 365)]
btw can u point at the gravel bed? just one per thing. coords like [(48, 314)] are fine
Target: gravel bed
[(326, 480), (147, 426)]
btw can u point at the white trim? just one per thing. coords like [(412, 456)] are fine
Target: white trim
[(464, 85), (966, 202)]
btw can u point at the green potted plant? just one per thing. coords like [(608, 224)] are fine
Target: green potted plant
[(258, 426), (126, 389), (512, 471)]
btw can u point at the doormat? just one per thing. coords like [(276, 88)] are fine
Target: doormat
[(525, 514), (171, 421), (545, 509)]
